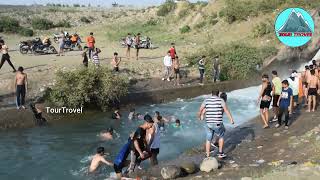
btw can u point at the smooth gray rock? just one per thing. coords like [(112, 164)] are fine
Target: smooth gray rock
[(170, 172), (189, 167), (209, 164)]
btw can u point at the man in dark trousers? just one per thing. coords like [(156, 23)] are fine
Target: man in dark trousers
[(5, 55)]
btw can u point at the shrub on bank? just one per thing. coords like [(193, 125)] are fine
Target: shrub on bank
[(263, 28), (42, 24), (9, 25), (185, 29), (85, 86), (85, 20), (25, 31), (63, 23), (166, 8)]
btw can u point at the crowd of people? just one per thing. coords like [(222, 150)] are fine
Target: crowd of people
[(300, 89)]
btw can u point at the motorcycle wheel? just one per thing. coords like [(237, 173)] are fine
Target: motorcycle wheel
[(23, 50), (52, 50)]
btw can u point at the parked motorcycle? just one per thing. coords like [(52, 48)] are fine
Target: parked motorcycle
[(40, 48), (25, 46)]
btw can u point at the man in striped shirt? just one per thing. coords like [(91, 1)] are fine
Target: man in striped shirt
[(213, 109)]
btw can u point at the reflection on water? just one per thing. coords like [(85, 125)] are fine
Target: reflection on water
[(63, 151)]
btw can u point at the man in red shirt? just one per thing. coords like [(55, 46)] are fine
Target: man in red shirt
[(90, 43), (173, 52)]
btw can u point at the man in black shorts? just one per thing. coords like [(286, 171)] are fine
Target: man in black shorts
[(265, 100)]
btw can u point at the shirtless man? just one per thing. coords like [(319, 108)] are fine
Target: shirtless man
[(21, 86), (5, 55), (98, 159), (106, 135), (116, 62), (313, 83)]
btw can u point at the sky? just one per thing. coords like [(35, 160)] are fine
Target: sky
[(138, 3)]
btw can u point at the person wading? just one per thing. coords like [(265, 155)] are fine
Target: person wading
[(213, 108)]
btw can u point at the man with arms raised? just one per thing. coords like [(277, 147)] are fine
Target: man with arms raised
[(98, 159), (213, 108)]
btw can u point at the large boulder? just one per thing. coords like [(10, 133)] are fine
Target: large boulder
[(189, 167), (170, 172), (209, 164)]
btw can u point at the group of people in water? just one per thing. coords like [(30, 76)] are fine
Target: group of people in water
[(301, 88), (144, 143)]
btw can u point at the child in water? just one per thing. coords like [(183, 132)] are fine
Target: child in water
[(98, 159), (177, 124), (106, 135), (116, 114)]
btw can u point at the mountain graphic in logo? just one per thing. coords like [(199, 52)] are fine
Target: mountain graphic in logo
[(294, 27), (295, 23)]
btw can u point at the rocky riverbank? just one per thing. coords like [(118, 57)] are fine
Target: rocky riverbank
[(254, 153)]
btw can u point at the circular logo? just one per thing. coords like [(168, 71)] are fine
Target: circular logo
[(294, 27)]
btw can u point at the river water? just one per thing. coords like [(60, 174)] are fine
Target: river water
[(62, 151)]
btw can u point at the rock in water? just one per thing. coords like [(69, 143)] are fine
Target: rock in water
[(209, 164), (170, 172), (189, 167)]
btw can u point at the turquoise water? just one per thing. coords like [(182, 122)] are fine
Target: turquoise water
[(62, 151)]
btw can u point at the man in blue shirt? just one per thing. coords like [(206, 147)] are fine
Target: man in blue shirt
[(284, 103)]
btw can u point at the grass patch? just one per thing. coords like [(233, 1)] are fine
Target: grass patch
[(11, 25), (200, 25), (263, 28)]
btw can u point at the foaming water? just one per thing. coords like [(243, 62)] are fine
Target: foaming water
[(64, 151)]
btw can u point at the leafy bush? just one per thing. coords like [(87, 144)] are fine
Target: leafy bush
[(41, 24), (183, 13), (166, 8), (8, 24), (262, 29), (185, 29), (84, 86), (63, 23), (25, 31), (76, 5), (85, 20)]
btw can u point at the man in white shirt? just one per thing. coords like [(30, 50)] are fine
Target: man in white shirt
[(167, 61)]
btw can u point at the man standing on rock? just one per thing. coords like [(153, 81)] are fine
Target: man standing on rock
[(21, 85), (5, 55), (213, 108)]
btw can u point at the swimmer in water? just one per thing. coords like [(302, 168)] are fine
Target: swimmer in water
[(177, 124), (107, 135), (116, 114), (97, 159), (132, 114)]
